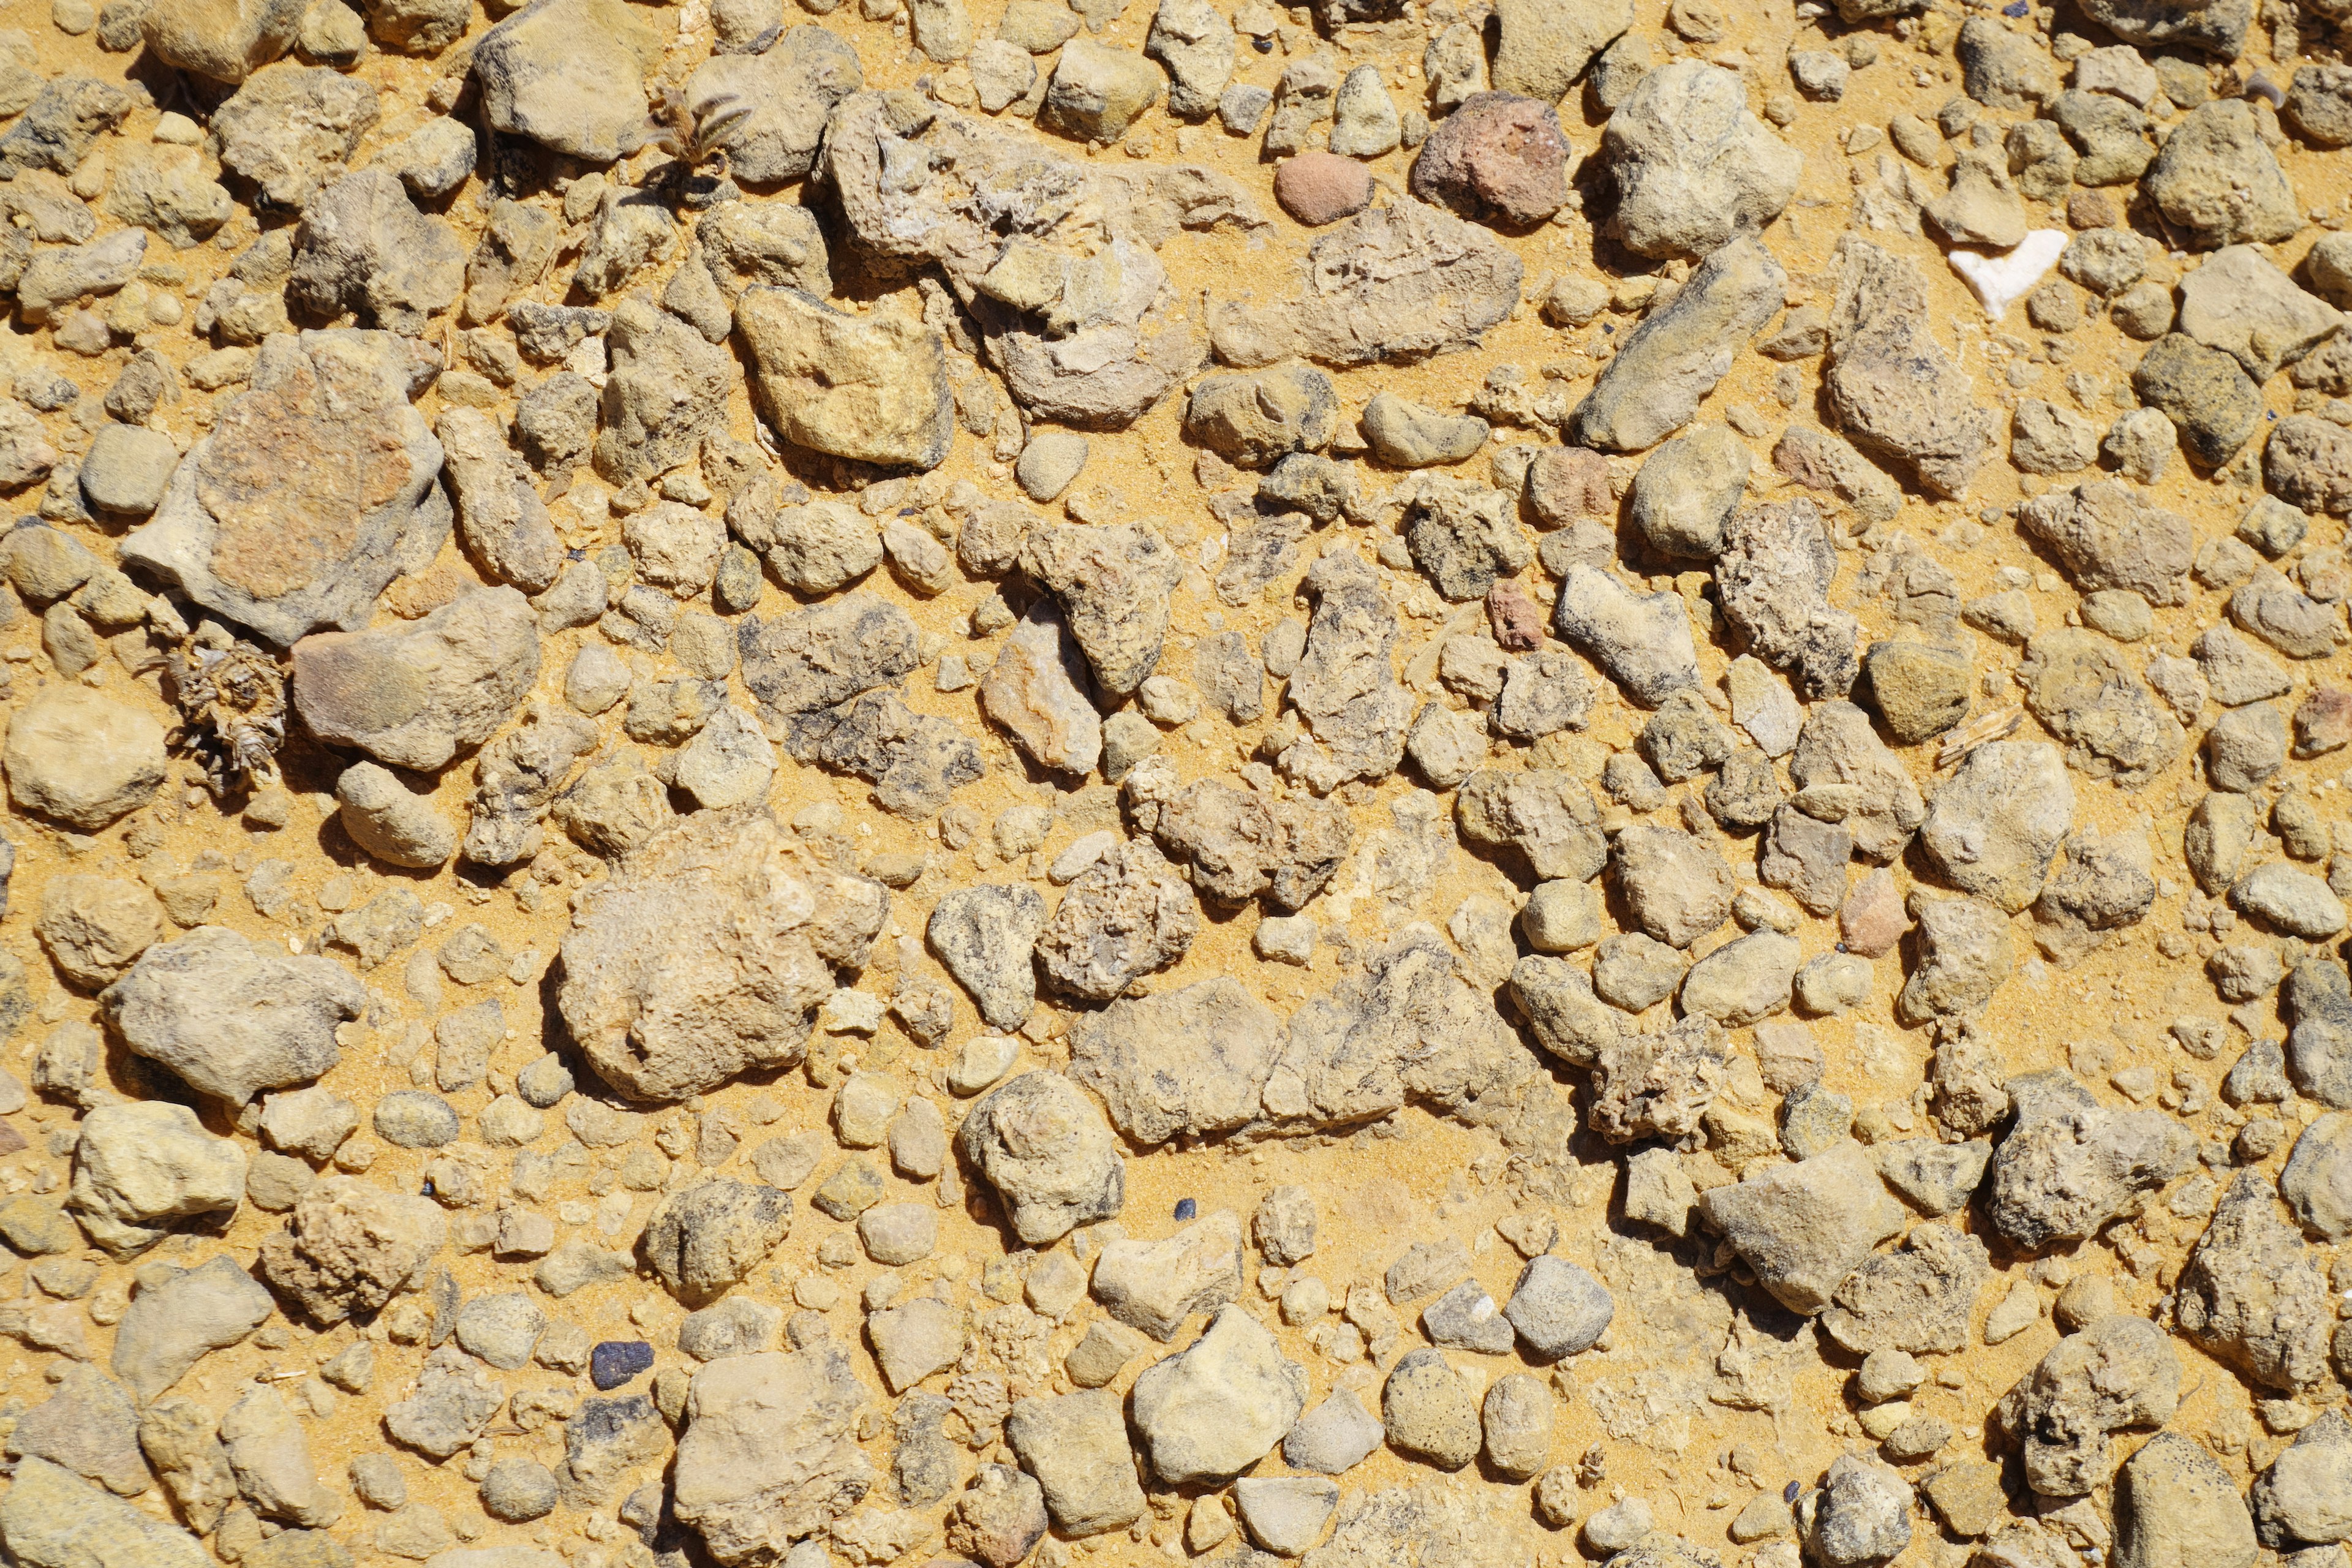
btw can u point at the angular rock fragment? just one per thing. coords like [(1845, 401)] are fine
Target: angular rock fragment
[(1047, 1153), (710, 955), (2117, 1373), (1654, 383), (1805, 1227), (1772, 578), (769, 1454), (231, 1017), (2068, 1165), (1395, 284), (1891, 388), (1191, 1061), (312, 491), (2252, 1294), (415, 696), (1691, 166)]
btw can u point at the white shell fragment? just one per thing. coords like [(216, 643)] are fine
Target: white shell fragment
[(2001, 279)]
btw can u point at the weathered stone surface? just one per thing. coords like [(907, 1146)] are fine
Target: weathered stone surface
[(415, 696), (661, 1015), (349, 1246), (1048, 1154), (312, 491), (1666, 368), (1891, 386), (230, 1016), (871, 388), (770, 1454), (1805, 1227), (569, 74)]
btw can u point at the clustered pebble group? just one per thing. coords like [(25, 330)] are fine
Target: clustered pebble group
[(693, 695)]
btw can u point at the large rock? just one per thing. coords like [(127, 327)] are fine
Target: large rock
[(789, 88), (770, 1452), (501, 519), (871, 388), (1126, 916), (1919, 1297), (226, 40), (1546, 45), (1641, 641), (1345, 685), (1185, 1062), (2108, 534), (1037, 692), (182, 1315), (2118, 1371), (1891, 386), (413, 696), (1220, 1404), (50, 1518), (2218, 183), (708, 1236), (1157, 1286), (1409, 1027), (2068, 1165), (312, 491), (2176, 1507), (2305, 1495), (81, 759), (2253, 1294), (1654, 383), (90, 1426), (364, 247), (1052, 1160), (1078, 315), (1691, 166), (1803, 1227), (1998, 821), (710, 953), (349, 1246), (569, 74), (140, 1166), (291, 128), (985, 937), (1398, 283), (1076, 1445), (230, 1016), (2082, 689), (1114, 583), (826, 655), (1772, 577), (2217, 30), (665, 391)]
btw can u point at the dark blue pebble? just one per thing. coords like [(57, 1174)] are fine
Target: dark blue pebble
[(2014, 8), (615, 1362), (1186, 1208), (1788, 1492)]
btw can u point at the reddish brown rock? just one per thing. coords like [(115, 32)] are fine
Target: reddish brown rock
[(2091, 209), (2323, 723), (1519, 621), (1499, 158), (1872, 920), (1565, 483), (1317, 188)]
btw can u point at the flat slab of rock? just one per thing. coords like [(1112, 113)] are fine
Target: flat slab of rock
[(312, 492), (770, 1451)]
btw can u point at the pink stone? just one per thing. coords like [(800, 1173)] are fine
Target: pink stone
[(1519, 621), (1317, 188), (1872, 920), (1499, 158)]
